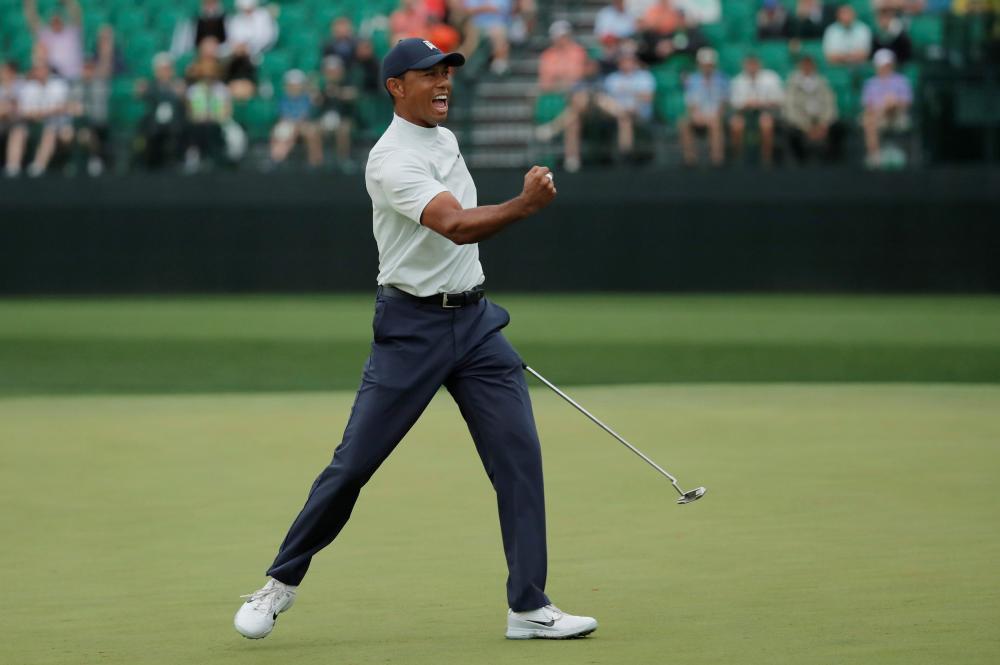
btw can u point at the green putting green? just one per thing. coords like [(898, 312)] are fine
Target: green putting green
[(231, 344), (843, 524)]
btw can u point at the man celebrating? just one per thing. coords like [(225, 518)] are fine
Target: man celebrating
[(433, 326)]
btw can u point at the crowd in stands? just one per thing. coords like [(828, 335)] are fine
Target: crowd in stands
[(648, 66), (797, 113)]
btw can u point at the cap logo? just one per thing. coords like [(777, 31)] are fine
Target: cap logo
[(431, 46)]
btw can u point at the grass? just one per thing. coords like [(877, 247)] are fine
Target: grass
[(844, 524), (177, 345)]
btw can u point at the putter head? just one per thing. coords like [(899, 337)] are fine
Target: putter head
[(692, 495)]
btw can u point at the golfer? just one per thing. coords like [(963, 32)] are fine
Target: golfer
[(433, 326)]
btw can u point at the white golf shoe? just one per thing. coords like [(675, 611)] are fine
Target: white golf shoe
[(547, 622), (255, 618)]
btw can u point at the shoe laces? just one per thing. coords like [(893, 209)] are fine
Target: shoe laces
[(555, 612), (266, 598)]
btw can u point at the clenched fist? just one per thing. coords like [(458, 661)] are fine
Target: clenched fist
[(539, 188)]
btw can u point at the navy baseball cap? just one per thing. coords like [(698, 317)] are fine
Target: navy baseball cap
[(415, 53)]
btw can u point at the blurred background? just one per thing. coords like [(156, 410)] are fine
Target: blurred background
[(834, 163)]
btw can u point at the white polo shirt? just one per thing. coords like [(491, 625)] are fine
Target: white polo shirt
[(408, 167)]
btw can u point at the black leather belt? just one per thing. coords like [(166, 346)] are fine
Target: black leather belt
[(443, 300)]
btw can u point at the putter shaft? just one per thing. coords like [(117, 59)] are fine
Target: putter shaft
[(673, 481)]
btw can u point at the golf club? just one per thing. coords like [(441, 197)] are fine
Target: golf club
[(686, 497)]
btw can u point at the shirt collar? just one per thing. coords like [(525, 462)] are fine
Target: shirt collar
[(414, 132)]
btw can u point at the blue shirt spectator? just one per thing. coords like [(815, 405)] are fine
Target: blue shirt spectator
[(706, 93), (485, 20), (632, 89)]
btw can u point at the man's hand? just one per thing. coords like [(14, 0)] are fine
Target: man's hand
[(539, 189)]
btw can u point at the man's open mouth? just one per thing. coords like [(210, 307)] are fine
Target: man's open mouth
[(440, 103)]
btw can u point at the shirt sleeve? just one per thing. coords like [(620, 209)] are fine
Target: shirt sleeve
[(408, 184)]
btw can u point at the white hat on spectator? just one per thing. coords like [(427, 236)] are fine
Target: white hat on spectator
[(246, 4), (560, 28), (295, 77), (707, 56), (883, 57)]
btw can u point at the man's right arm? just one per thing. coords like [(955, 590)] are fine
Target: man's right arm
[(445, 215)]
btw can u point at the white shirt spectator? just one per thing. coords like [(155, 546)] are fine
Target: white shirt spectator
[(65, 49), (700, 11), (763, 89), (37, 98), (610, 21), (838, 40), (257, 29)]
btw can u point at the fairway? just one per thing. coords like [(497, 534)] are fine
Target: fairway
[(261, 343), (844, 524)]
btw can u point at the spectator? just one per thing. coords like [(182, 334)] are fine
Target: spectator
[(337, 107), (492, 18), (295, 112), (89, 105), (210, 21), (847, 41), (162, 126), (42, 106), (614, 23), (810, 112), (10, 85), (890, 34), (209, 109), (366, 69), (240, 73), (563, 63), (107, 51), (587, 93), (62, 37), (630, 93), (687, 39), (705, 94), (772, 20), (252, 26), (886, 99), (409, 20), (342, 42), (809, 21), (701, 12), (755, 97), (662, 18), (525, 16), (442, 34), (206, 60)]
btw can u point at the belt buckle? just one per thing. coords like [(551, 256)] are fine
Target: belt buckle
[(445, 305)]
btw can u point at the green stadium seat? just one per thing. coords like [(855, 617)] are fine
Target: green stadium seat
[(715, 33), (669, 106), (549, 106), (731, 58), (257, 116), (926, 30), (775, 55), (274, 66), (739, 20), (814, 48), (666, 78)]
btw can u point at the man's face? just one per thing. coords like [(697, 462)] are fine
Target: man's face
[(885, 69), (423, 94), (342, 28), (845, 15), (40, 72), (164, 71), (807, 67), (751, 66), (56, 23), (627, 64)]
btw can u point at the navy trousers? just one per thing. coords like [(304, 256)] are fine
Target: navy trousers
[(418, 348)]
